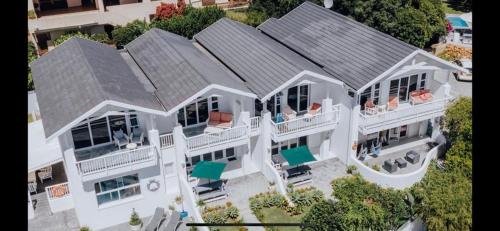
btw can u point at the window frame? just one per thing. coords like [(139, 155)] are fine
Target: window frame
[(117, 189), (196, 104)]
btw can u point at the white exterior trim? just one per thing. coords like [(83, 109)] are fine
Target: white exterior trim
[(298, 76), (407, 58), (97, 108)]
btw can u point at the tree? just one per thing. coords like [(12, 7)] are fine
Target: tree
[(458, 120), (125, 34), (32, 56), (325, 215), (193, 21), (167, 10)]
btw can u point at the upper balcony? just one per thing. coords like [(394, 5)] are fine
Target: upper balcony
[(383, 117), (305, 124)]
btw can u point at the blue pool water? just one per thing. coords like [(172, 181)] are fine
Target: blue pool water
[(457, 22)]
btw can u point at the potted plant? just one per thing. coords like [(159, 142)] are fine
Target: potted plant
[(178, 200), (135, 222), (272, 186), (289, 187), (351, 169)]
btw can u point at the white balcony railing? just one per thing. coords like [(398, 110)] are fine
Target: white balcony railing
[(303, 123), (57, 191), (255, 124), (166, 141), (120, 159), (211, 139), (405, 113)]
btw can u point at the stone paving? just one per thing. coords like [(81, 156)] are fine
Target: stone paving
[(61, 221), (324, 172), (241, 189)]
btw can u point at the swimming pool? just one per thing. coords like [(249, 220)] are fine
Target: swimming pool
[(458, 23)]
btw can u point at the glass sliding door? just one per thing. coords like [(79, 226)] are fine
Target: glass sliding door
[(304, 98), (81, 136), (197, 112), (117, 123), (100, 132), (403, 89), (413, 84), (191, 116), (292, 98), (274, 105), (202, 110), (393, 88), (298, 98)]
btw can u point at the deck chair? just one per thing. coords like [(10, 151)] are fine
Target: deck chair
[(370, 107), (171, 223), (45, 173), (155, 220), (313, 110), (137, 136), (363, 153), (393, 103), (120, 138)]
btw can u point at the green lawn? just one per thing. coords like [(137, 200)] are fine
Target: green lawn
[(237, 15), (276, 215)]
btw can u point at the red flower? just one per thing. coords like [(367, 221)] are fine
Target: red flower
[(448, 26)]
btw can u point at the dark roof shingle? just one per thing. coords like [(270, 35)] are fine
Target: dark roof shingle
[(78, 75), (348, 50)]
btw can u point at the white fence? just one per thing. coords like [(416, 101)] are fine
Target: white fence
[(190, 203), (59, 197), (120, 159), (272, 175), (166, 140), (403, 114), (210, 139), (304, 123), (397, 181), (255, 125)]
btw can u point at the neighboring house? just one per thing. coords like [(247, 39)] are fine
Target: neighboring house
[(313, 78), (33, 109)]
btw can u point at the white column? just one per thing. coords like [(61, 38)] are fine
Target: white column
[(100, 5), (31, 211), (180, 150), (265, 135), (447, 89), (353, 133), (324, 150)]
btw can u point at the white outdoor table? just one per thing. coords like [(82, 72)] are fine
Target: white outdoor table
[(131, 146)]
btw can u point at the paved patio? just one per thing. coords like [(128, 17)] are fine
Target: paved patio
[(324, 172), (61, 221), (421, 149), (241, 189)]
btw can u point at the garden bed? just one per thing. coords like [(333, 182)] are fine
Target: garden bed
[(272, 207), (222, 214)]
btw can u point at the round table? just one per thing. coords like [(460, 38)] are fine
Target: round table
[(132, 146)]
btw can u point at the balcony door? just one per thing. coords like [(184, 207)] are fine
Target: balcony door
[(298, 98), (402, 87)]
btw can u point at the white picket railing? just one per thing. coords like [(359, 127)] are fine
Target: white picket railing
[(166, 140), (302, 123), (116, 160), (404, 111), (225, 136), (57, 191), (255, 124)]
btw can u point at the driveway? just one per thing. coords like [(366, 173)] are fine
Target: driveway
[(459, 88)]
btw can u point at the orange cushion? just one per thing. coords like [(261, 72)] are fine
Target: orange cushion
[(315, 106), (214, 116), (369, 104), (415, 93), (225, 117)]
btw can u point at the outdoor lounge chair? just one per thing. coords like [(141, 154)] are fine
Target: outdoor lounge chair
[(376, 149), (45, 173), (171, 223), (137, 136), (289, 113), (420, 96), (120, 138), (363, 152), (390, 166), (299, 179), (393, 103), (313, 110), (412, 157), (155, 220), (32, 182), (370, 108), (220, 119)]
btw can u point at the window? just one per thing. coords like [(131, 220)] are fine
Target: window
[(304, 97), (302, 140), (413, 83), (219, 154), (81, 136), (422, 81), (258, 107), (376, 94), (215, 104), (196, 112), (100, 132), (207, 157), (229, 152), (298, 97), (364, 97), (117, 189), (195, 160), (133, 121), (393, 89), (274, 104), (403, 89)]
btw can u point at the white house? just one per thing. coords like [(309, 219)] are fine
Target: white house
[(238, 95)]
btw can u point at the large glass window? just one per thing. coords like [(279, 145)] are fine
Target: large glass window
[(215, 104), (422, 81), (118, 123), (274, 104), (393, 89), (363, 97), (181, 117), (403, 89), (202, 110), (292, 98), (100, 132), (81, 136), (413, 83), (196, 112), (304, 97), (376, 94), (258, 107), (117, 188), (298, 97), (191, 114)]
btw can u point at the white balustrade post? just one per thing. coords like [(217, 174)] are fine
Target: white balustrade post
[(327, 107), (180, 151), (100, 5), (154, 138), (353, 134), (31, 211), (447, 89), (265, 136), (327, 110)]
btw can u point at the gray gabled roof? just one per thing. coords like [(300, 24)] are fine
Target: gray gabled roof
[(261, 62), (348, 50), (177, 68), (80, 74)]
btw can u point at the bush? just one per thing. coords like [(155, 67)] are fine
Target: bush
[(122, 35), (85, 228), (193, 21), (231, 213), (255, 18), (351, 169), (167, 10), (458, 120), (32, 56), (200, 203), (305, 197), (102, 37), (376, 167)]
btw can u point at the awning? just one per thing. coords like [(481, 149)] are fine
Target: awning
[(298, 155), (208, 170)]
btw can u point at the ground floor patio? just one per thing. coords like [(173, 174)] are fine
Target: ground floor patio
[(324, 172)]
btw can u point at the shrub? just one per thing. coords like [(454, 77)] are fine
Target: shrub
[(125, 34), (31, 14), (178, 199), (255, 18), (200, 203), (32, 56), (351, 169), (376, 167), (229, 204), (134, 219), (85, 228), (102, 37), (167, 10), (231, 213)]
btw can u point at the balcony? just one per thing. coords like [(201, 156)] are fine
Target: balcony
[(209, 142), (117, 162), (305, 125), (404, 114)]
